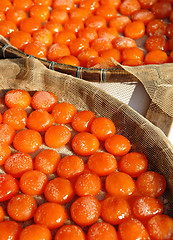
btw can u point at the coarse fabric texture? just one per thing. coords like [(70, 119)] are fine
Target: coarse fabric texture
[(31, 75), (156, 79)]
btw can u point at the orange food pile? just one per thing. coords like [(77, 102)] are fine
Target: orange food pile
[(86, 32), (95, 193)]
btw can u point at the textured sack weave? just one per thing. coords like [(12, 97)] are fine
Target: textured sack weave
[(158, 82), (157, 79), (31, 75)]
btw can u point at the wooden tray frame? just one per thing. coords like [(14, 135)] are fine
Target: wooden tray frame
[(116, 74)]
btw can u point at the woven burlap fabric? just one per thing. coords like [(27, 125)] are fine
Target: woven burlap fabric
[(156, 79), (31, 75)]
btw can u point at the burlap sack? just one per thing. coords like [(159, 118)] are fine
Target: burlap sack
[(31, 75)]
